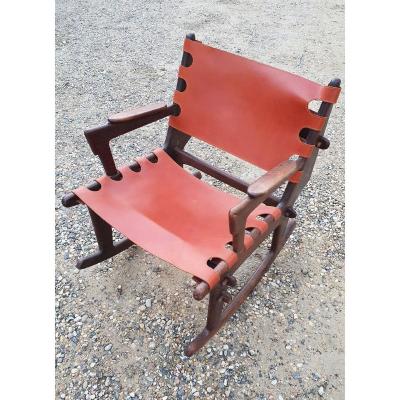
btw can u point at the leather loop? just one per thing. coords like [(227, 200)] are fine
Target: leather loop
[(330, 94)]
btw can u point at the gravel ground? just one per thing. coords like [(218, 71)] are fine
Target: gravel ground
[(121, 326)]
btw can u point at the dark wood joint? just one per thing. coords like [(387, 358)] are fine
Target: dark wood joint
[(99, 138), (314, 138), (71, 199), (290, 212), (175, 140), (323, 143)]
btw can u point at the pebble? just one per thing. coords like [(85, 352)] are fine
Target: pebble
[(148, 303), (315, 376), (321, 390), (296, 375), (108, 347)]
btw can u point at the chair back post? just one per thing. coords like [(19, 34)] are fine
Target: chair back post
[(293, 190), (176, 139)]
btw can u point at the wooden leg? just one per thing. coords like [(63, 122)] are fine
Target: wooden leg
[(107, 248), (217, 316), (280, 234), (215, 307)]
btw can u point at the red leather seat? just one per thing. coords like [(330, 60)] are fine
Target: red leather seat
[(172, 214)]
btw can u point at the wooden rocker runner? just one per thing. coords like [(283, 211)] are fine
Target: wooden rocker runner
[(253, 111)]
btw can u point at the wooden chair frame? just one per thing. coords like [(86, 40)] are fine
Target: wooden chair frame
[(221, 304)]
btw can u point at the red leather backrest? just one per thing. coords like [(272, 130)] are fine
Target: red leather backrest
[(251, 110)]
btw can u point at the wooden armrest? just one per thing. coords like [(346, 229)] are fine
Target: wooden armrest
[(137, 112), (257, 192), (272, 179), (99, 138)]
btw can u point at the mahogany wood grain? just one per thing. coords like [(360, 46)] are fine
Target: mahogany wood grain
[(136, 112)]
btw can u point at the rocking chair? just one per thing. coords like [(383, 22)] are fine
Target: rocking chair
[(253, 111)]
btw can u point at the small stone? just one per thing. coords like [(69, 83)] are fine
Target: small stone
[(315, 376), (148, 303), (280, 397), (274, 382), (152, 345), (296, 375), (119, 289), (108, 347), (142, 308), (321, 390)]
